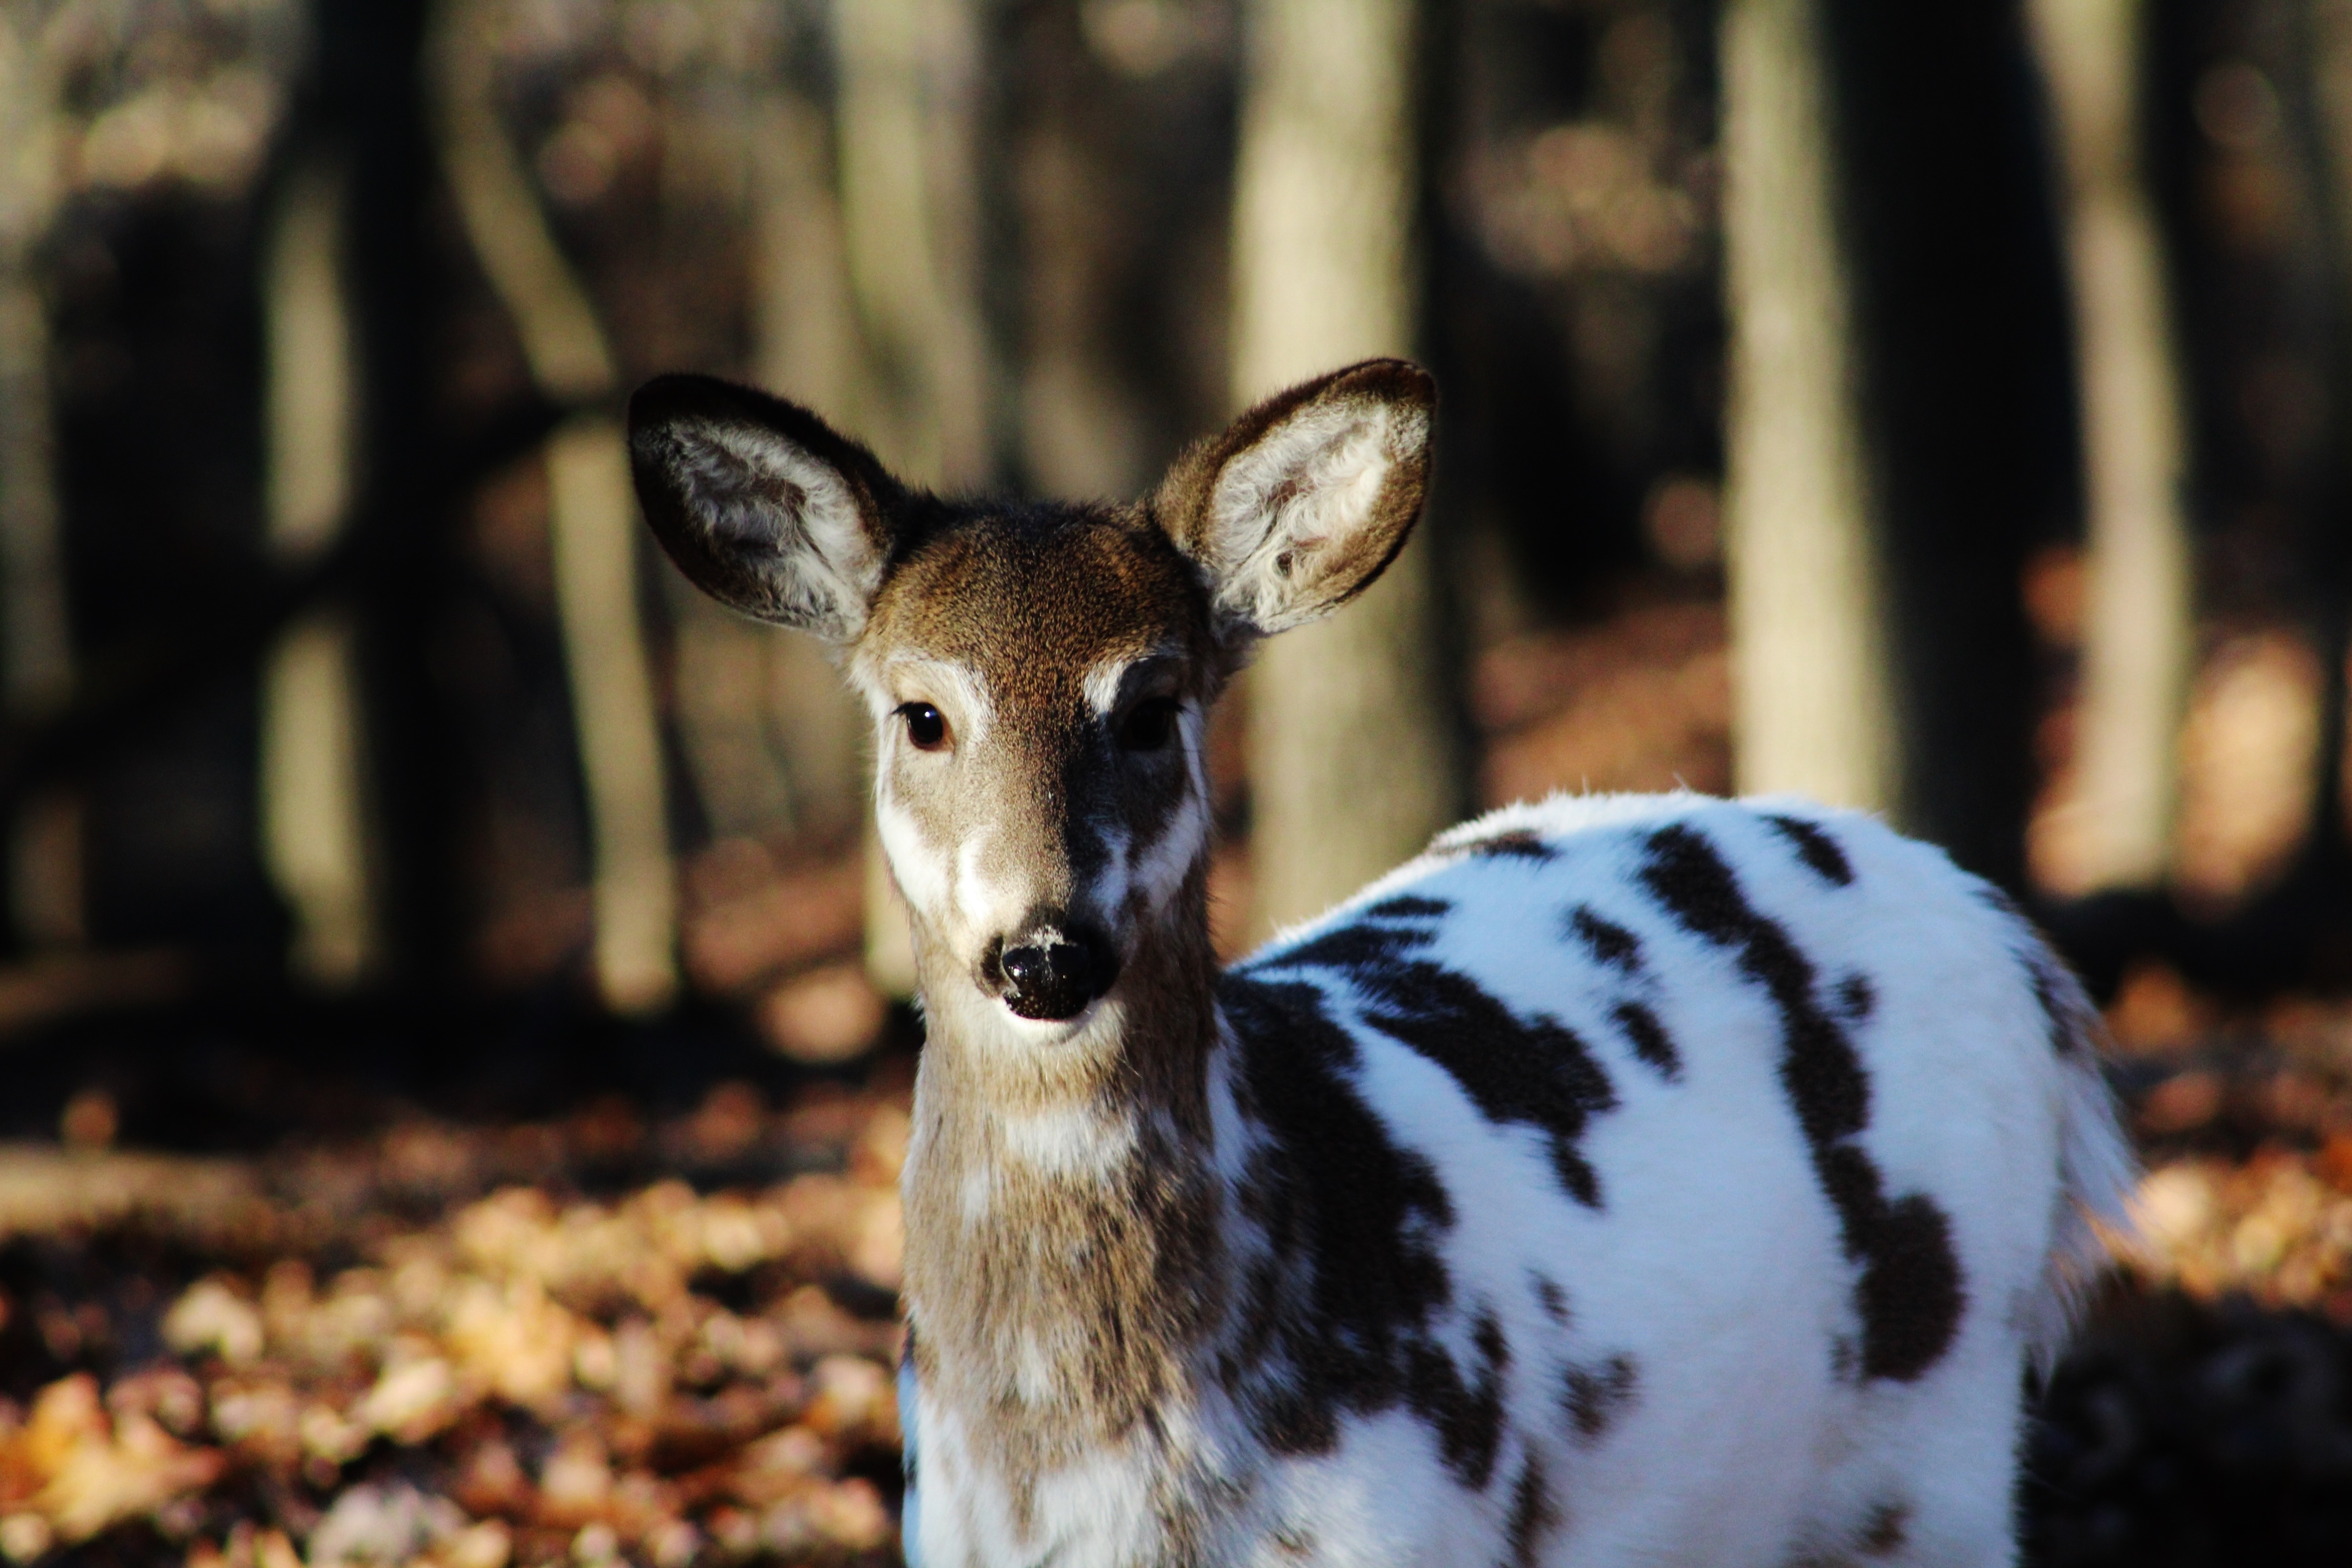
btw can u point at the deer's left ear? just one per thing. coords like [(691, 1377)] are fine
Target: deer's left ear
[(1308, 497)]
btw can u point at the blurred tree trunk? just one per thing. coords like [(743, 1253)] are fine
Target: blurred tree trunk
[(907, 87), (593, 518), (36, 650), (314, 836), (2330, 546), (2138, 632), (770, 731), (1812, 709), (806, 345), (1967, 407), (1900, 422), (368, 96), (1353, 757)]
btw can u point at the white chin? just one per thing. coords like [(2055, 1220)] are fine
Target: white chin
[(1047, 1030)]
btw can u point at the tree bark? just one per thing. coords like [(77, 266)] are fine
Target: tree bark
[(1353, 757), (44, 849), (2137, 633), (594, 527), (313, 827), (1812, 709), (806, 346)]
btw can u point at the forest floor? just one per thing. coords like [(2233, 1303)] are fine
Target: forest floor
[(633, 1323)]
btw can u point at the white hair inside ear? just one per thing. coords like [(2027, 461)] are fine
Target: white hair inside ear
[(763, 492), (1310, 511)]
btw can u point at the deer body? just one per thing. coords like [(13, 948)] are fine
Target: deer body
[(1626, 1179)]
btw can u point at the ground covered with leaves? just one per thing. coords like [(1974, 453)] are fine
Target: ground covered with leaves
[(653, 1319), (594, 1337)]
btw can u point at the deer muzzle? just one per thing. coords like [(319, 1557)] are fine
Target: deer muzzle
[(1050, 969)]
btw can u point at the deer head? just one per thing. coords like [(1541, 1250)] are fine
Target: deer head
[(1038, 675)]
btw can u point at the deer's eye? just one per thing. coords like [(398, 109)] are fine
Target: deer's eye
[(1149, 724), (927, 727)]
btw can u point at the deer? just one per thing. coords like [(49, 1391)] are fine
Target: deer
[(1654, 1179)]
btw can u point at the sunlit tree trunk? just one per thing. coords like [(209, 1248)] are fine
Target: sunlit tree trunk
[(36, 649), (314, 836), (2137, 629), (1353, 760), (593, 519), (906, 89), (1812, 707), (806, 346)]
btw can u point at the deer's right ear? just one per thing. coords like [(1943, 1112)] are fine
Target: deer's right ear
[(761, 504)]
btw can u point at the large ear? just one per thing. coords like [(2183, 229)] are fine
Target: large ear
[(761, 504), (1308, 496)]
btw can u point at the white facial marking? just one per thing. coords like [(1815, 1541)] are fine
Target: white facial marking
[(1101, 683), (923, 870), (984, 905), (1160, 869), (955, 689)]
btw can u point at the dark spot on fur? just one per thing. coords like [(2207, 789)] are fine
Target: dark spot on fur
[(1815, 848), (1887, 1531), (1408, 907), (1992, 898), (1610, 943), (1332, 1318), (1350, 948), (1842, 1359), (1516, 843), (1533, 1512), (1857, 996), (1649, 1038), (1910, 1293), (1466, 1414), (1595, 1396), (2059, 1002), (1550, 1297), (1536, 1073)]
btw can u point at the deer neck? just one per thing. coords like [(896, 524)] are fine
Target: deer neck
[(1064, 1223)]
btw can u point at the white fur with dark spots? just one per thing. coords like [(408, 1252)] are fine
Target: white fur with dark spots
[(1628, 1180)]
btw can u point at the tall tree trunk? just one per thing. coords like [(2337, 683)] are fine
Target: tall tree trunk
[(1353, 758), (907, 93), (36, 649), (2137, 635), (314, 836), (593, 518), (1812, 708), (1958, 334), (806, 346), (2329, 550)]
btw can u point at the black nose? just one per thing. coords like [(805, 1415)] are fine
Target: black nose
[(1052, 972)]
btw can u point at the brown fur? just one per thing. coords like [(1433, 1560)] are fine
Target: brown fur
[(1116, 1279), (1109, 1277)]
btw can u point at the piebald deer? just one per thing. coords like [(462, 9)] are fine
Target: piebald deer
[(1651, 1179)]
